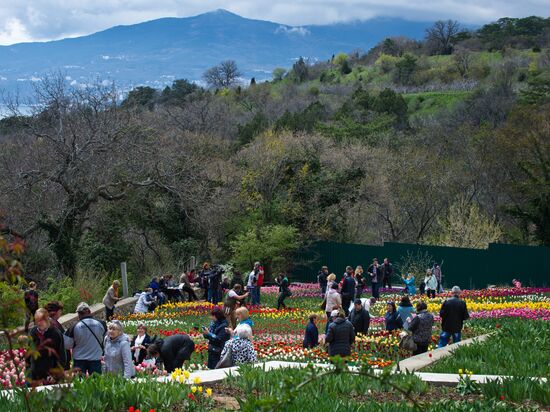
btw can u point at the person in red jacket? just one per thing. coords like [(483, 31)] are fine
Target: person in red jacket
[(260, 281)]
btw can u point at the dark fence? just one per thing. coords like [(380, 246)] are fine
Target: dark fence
[(467, 268)]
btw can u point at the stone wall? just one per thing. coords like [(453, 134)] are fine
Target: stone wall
[(123, 307)]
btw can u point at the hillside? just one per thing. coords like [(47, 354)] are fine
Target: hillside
[(159, 51)]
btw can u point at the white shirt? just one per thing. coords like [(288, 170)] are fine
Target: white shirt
[(251, 279)]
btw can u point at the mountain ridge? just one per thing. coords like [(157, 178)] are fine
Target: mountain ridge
[(157, 51)]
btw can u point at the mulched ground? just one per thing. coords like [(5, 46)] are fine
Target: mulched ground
[(225, 396)]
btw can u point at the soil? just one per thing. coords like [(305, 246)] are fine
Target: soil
[(226, 396)]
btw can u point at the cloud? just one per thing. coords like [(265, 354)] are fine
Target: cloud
[(302, 31), (32, 20)]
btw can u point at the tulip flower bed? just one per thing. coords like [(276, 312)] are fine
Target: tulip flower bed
[(278, 335)]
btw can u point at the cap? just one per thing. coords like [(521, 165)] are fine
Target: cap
[(358, 302), (82, 307), (455, 289), (335, 313)]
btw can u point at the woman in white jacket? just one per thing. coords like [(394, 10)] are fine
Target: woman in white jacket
[(431, 284), (145, 301), (334, 301)]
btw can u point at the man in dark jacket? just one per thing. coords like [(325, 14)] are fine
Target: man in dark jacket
[(348, 289), (359, 318), (173, 351), (340, 335), (453, 314), (322, 278), (387, 272), (311, 338)]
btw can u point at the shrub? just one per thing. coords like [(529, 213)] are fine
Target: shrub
[(12, 312)]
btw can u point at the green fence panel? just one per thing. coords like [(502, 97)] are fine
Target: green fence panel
[(467, 268)]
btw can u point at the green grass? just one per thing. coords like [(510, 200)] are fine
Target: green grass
[(518, 348), (430, 102)]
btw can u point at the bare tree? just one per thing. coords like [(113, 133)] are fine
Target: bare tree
[(77, 149), (441, 35), (225, 74), (463, 61)]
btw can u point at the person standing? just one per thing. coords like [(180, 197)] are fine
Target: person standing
[(259, 283), (387, 273), (391, 318), (348, 289), (110, 299), (431, 284), (216, 335), (405, 309), (232, 300), (311, 338), (173, 351), (252, 283), (410, 287), (374, 272), (340, 335), (139, 344), (438, 276), (48, 342), (421, 328), (55, 309), (284, 290), (359, 318), (359, 282), (333, 302), (31, 304), (453, 314), (118, 356), (322, 279), (203, 279), (85, 338)]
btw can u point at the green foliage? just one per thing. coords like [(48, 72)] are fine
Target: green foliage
[(250, 130), (518, 390), (108, 393), (305, 120), (272, 245), (142, 96), (12, 311), (537, 91), (522, 351), (405, 69), (71, 291), (278, 74)]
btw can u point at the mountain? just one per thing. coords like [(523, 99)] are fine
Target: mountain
[(157, 52)]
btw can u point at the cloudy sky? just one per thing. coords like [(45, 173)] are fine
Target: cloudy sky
[(37, 20)]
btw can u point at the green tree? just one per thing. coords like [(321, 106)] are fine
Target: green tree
[(143, 96), (405, 69), (278, 74), (272, 245)]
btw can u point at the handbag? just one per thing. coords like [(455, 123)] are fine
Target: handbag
[(227, 360), (323, 304), (407, 343)]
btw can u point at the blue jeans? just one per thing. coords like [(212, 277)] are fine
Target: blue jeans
[(375, 293), (90, 366), (255, 294), (445, 336), (214, 296)]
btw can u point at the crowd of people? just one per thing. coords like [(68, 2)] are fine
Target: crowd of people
[(95, 346)]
